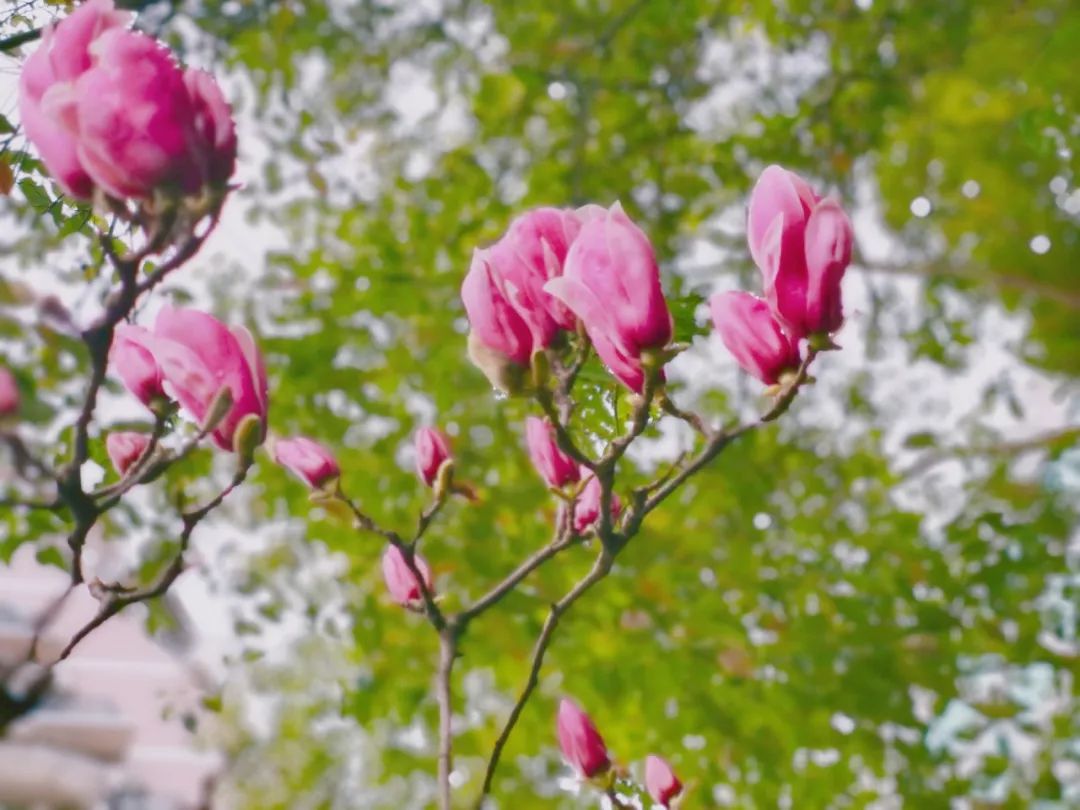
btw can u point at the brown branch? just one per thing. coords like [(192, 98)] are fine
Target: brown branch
[(117, 602), (1016, 447), (408, 553), (563, 539), (598, 571), (1062, 295), (447, 654)]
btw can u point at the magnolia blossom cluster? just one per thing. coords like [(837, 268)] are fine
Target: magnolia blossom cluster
[(109, 109), (801, 243), (555, 269), (189, 357), (588, 755), (558, 271)]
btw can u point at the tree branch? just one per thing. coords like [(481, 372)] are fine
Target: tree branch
[(599, 570), (447, 654)]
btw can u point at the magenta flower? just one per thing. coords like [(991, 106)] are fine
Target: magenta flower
[(432, 450), (587, 505), (499, 339), (532, 252), (802, 245), (124, 448), (9, 393), (195, 356), (109, 107), (214, 126), (400, 581), (612, 283), (580, 742), (554, 466), (753, 336), (51, 71), (134, 363), (307, 460), (660, 780)]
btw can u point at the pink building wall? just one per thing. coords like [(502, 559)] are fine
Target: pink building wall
[(128, 699)]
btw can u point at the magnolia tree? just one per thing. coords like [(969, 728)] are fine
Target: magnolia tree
[(120, 124)]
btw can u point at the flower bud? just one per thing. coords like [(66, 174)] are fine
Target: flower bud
[(753, 336), (660, 780), (9, 393), (554, 466), (587, 505), (580, 742), (307, 460), (612, 283), (125, 448), (432, 451), (400, 581)]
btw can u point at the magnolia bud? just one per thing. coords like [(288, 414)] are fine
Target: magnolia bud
[(125, 448), (247, 438), (660, 780), (400, 580), (555, 467), (432, 450), (580, 742), (307, 460)]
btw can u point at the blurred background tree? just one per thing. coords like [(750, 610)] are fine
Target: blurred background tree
[(874, 603)]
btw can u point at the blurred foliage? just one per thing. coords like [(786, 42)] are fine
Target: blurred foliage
[(802, 626)]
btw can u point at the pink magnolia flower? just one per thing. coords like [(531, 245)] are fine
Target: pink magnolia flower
[(307, 460), (660, 780), (9, 393), (125, 448), (64, 54), (110, 107), (531, 253), (554, 466), (499, 338), (400, 581), (214, 126), (802, 245), (195, 356), (580, 742), (133, 361), (753, 336), (587, 505), (612, 283), (432, 449)]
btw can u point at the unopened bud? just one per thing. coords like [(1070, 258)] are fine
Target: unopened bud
[(248, 437)]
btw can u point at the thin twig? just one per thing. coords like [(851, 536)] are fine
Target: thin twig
[(117, 602), (598, 571), (408, 553), (562, 540)]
